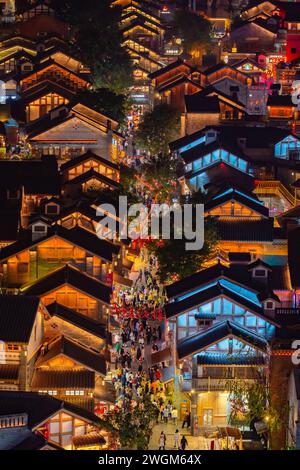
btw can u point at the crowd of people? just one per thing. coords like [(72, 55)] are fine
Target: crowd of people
[(134, 340)]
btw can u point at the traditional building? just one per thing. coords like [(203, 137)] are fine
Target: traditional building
[(33, 416), (21, 336), (221, 320), (73, 289), (67, 132)]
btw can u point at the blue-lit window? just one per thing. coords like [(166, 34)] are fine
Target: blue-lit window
[(207, 160), (192, 321), (242, 165), (217, 306), (182, 320), (227, 307), (251, 321), (197, 164), (282, 148), (238, 310), (233, 160), (223, 344), (206, 308), (216, 155)]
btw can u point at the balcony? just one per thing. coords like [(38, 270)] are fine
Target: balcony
[(209, 384)]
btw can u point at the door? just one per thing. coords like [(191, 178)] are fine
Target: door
[(207, 417)]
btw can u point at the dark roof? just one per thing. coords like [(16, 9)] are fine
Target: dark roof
[(77, 236), (216, 333), (72, 276), (75, 318), (87, 156), (175, 82), (232, 229), (42, 89), (38, 407), (17, 316), (37, 176), (280, 100), (224, 196), (240, 257), (169, 67), (197, 103), (259, 262), (77, 352), (92, 174), (68, 379), (293, 256), (35, 441), (194, 280), (10, 215), (9, 372), (222, 359), (256, 136), (208, 293)]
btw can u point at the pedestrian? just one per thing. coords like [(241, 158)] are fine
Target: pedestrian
[(162, 441), (174, 415), (161, 412), (176, 439), (185, 419), (166, 414), (183, 443)]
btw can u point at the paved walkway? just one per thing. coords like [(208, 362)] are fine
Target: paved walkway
[(194, 443)]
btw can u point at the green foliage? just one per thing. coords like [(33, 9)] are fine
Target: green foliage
[(158, 128), (192, 28), (97, 42), (160, 174), (175, 262), (133, 425), (253, 401)]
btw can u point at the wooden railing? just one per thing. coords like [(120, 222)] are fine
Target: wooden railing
[(215, 384)]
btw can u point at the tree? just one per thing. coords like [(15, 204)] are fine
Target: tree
[(132, 423), (159, 175), (97, 41), (175, 262), (157, 128), (252, 402), (193, 29)]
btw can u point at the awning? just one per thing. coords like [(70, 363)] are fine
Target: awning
[(94, 438)]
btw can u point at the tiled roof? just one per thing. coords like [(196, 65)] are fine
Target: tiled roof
[(50, 379), (197, 103), (75, 318), (77, 236), (17, 316), (84, 157), (207, 294), (92, 174), (9, 372), (66, 347), (72, 276), (216, 333), (37, 176), (221, 359), (232, 229), (39, 407), (252, 203)]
